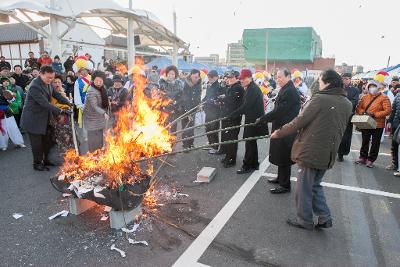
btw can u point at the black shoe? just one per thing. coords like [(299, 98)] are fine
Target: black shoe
[(327, 224), (273, 180), (279, 190), (295, 223), (340, 158), (40, 167), (244, 170), (229, 163), (51, 164)]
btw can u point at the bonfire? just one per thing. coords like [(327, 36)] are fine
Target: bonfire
[(110, 176)]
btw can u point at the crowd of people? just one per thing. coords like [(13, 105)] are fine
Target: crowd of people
[(311, 127)]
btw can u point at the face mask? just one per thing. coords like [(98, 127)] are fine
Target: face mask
[(373, 90)]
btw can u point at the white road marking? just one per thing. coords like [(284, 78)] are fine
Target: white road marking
[(348, 188), (193, 253)]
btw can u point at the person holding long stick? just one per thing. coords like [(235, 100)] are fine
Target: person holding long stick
[(253, 108)]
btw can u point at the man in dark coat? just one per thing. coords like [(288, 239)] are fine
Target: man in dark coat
[(4, 63), (212, 108), (36, 116), (352, 95), (191, 97), (20, 79), (253, 108), (319, 128), (232, 100), (287, 107)]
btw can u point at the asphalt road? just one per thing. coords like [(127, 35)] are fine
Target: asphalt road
[(366, 228)]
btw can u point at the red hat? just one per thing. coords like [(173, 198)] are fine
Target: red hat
[(245, 73)]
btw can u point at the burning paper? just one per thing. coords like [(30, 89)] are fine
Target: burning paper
[(63, 213), (107, 208), (104, 218), (139, 132), (133, 242), (135, 227), (17, 215), (123, 255)]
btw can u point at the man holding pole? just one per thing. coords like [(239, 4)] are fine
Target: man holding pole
[(253, 108)]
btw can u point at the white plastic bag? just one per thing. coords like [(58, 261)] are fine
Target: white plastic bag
[(200, 118)]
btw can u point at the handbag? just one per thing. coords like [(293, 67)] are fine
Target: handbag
[(365, 121), (396, 136)]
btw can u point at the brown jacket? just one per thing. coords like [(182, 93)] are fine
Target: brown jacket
[(379, 110), (320, 127)]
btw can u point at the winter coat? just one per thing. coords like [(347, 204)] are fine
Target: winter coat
[(287, 107), (120, 96), (379, 109), (57, 67), (353, 95), (93, 113), (38, 109), (68, 65), (191, 95), (233, 99), (212, 107), (32, 63), (394, 118), (45, 61), (21, 80), (319, 127), (252, 108)]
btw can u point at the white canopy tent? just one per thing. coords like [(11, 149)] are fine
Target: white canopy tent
[(140, 26)]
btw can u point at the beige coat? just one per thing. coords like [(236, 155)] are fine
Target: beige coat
[(320, 127)]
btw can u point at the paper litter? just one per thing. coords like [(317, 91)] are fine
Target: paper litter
[(63, 213), (17, 215), (133, 242), (135, 227), (120, 251)]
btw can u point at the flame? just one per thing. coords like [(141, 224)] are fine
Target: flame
[(139, 132), (121, 68)]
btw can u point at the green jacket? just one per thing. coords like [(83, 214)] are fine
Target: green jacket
[(14, 106), (320, 128)]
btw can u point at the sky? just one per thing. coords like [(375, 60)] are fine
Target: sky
[(357, 32)]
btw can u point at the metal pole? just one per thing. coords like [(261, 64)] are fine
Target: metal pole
[(131, 39), (266, 50), (215, 131), (197, 126), (201, 147), (55, 42), (186, 114), (175, 46)]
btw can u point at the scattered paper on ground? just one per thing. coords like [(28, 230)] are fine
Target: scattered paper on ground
[(66, 194), (135, 227), (63, 213), (104, 218), (133, 242), (107, 208), (17, 215), (120, 251)]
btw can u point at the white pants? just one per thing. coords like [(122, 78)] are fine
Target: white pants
[(11, 131)]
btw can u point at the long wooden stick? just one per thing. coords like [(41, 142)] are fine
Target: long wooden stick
[(73, 129), (201, 147)]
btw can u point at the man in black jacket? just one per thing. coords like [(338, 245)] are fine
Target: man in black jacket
[(253, 108), (20, 79), (353, 95), (287, 107), (191, 96), (232, 100), (36, 116), (4, 63), (212, 108)]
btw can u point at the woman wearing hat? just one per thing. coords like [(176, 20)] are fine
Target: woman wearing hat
[(377, 105), (95, 111)]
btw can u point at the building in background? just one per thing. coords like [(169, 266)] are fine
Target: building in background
[(235, 55), (213, 59), (344, 68), (299, 48)]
